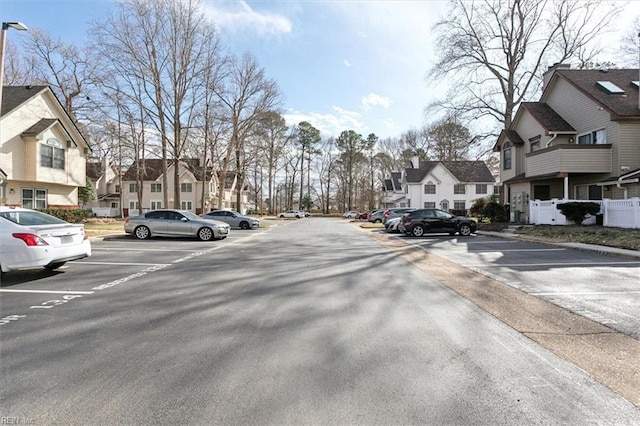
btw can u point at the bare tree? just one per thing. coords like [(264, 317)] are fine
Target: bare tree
[(498, 49), (66, 68), (19, 69), (166, 48), (271, 131), (246, 94), (630, 45)]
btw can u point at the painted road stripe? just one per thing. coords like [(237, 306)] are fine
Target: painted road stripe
[(482, 265), (3, 290), (120, 264), (586, 293), (471, 250), (95, 248)]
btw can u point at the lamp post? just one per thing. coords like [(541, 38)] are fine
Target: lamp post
[(3, 39)]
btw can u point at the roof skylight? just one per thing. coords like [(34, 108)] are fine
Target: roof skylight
[(610, 87)]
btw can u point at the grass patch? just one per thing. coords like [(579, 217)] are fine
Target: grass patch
[(599, 235)]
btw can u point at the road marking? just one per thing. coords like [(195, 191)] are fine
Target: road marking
[(120, 263), (136, 249), (502, 251), (3, 290), (586, 293), (630, 263)]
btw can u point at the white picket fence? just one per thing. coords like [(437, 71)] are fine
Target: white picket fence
[(615, 213)]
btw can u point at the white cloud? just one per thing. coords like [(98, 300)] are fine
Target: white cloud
[(372, 100), (329, 124), (243, 18), (347, 63)]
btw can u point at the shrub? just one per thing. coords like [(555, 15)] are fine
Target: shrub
[(70, 215), (486, 208), (577, 211)]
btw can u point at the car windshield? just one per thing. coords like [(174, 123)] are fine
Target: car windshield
[(189, 215), (30, 218)]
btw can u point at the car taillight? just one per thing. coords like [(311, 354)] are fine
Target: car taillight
[(30, 239), (387, 213)]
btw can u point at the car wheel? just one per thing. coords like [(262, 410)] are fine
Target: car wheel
[(205, 234), (142, 232), (297, 216), (53, 266), (281, 216), (377, 221), (244, 225), (417, 231), (464, 230)]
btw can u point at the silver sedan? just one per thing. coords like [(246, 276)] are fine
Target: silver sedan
[(233, 218), (175, 223)]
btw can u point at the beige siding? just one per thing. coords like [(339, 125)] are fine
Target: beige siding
[(628, 146), (570, 159), (584, 115)]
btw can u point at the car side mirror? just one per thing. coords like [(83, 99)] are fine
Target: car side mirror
[(184, 219)]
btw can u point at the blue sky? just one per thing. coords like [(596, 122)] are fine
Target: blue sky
[(340, 64), (347, 64)]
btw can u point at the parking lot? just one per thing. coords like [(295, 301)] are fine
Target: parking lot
[(308, 321), (115, 261), (603, 288)]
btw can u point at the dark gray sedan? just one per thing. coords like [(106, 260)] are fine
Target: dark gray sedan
[(233, 218), (175, 223)]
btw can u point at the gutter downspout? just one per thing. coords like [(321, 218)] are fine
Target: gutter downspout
[(555, 135)]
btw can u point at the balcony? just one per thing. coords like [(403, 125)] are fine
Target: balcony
[(569, 158)]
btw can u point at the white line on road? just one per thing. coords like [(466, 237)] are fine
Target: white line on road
[(585, 293), (121, 263), (94, 248), (502, 251), (3, 290), (591, 264)]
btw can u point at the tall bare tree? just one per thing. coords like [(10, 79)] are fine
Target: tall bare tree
[(271, 131), (166, 47), (246, 94), (497, 49)]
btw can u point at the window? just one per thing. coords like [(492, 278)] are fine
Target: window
[(117, 188), (506, 158), (593, 138), (33, 198), (429, 188), (133, 205), (459, 205), (429, 205), (114, 205), (534, 144), (133, 187), (459, 188), (52, 155), (496, 190), (444, 205), (186, 187), (481, 188), (156, 187), (155, 205), (186, 205)]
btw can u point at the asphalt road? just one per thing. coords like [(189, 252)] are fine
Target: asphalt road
[(309, 322)]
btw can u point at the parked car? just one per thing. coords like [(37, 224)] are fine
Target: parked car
[(292, 213), (421, 221), (394, 212), (376, 216), (30, 239), (362, 215), (233, 218), (175, 223), (351, 214), (391, 225)]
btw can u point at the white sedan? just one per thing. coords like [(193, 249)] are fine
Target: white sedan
[(292, 213), (30, 239)]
